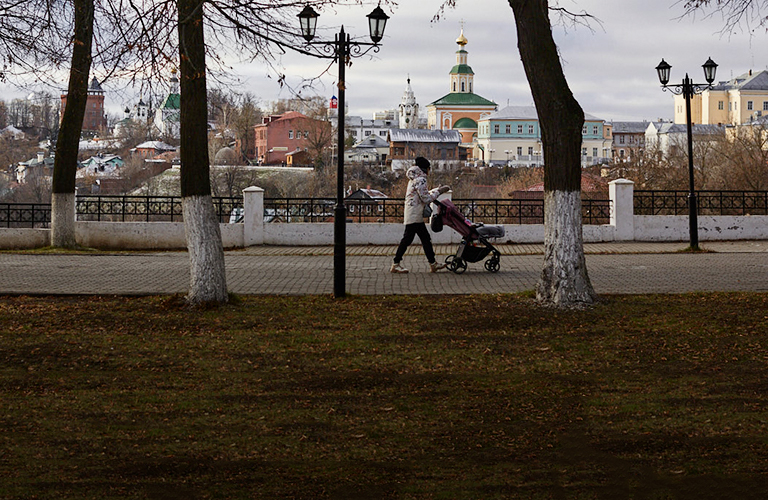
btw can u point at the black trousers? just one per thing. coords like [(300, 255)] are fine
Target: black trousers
[(411, 230)]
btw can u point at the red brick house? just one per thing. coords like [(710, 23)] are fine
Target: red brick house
[(278, 135)]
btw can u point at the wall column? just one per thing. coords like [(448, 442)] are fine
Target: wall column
[(253, 216), (621, 193)]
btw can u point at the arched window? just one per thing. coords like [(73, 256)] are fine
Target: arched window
[(454, 86), (462, 86)]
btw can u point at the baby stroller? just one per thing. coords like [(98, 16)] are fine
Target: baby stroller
[(474, 245)]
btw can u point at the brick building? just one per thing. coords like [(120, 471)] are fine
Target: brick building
[(94, 119), (278, 135)]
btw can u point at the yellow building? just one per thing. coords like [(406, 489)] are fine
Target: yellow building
[(461, 108), (734, 102)]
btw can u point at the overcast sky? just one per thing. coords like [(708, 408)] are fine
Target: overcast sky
[(609, 67)]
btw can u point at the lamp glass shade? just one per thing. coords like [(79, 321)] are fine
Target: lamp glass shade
[(710, 69), (308, 22), (377, 21), (663, 69)]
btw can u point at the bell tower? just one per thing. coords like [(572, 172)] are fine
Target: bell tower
[(409, 109), (462, 76)]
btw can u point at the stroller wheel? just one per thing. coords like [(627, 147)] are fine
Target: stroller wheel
[(455, 265), (492, 265)]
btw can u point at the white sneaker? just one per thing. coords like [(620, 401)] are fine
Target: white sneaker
[(397, 268), (435, 267)]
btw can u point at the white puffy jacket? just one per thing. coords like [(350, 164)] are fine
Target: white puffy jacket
[(417, 196)]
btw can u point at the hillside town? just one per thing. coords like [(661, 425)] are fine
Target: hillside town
[(486, 149)]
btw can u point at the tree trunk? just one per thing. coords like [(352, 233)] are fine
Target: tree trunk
[(206, 253), (564, 279), (68, 144)]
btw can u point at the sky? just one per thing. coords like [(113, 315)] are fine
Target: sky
[(610, 65)]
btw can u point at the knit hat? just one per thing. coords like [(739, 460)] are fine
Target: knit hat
[(423, 164)]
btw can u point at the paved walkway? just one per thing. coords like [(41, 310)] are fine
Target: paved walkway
[(613, 268)]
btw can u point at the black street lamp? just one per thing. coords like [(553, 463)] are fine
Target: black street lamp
[(688, 89), (342, 49)]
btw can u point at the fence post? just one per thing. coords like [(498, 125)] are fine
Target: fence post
[(253, 216), (621, 192)]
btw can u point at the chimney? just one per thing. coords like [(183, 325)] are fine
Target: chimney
[(40, 156)]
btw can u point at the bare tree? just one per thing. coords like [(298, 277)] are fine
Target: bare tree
[(734, 12)]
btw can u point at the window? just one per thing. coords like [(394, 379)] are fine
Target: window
[(530, 129), (306, 134), (730, 106), (749, 105), (583, 151), (621, 139), (584, 130), (495, 129), (594, 129), (508, 129), (454, 86), (290, 134), (519, 150), (765, 105), (720, 105), (367, 133), (462, 86), (519, 129), (594, 152), (530, 150)]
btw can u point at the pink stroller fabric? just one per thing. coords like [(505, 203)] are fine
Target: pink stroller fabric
[(456, 220)]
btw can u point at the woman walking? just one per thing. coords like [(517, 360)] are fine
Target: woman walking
[(416, 199)]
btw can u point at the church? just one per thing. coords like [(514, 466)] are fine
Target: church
[(461, 108)]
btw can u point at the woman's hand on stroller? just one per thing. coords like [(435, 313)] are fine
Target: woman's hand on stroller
[(443, 189)]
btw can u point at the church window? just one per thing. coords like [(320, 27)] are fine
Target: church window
[(454, 86), (462, 86)]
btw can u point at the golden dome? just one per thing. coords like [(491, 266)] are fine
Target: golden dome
[(462, 40)]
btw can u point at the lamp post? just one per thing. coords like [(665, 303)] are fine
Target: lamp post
[(506, 151), (688, 89), (342, 49)]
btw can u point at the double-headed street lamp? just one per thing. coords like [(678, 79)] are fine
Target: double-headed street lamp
[(342, 49), (688, 89)]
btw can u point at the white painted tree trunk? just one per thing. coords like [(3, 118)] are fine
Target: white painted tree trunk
[(564, 280), (208, 281), (63, 220)]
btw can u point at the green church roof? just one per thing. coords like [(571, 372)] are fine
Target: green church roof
[(465, 123), (463, 98), (462, 69), (172, 101)]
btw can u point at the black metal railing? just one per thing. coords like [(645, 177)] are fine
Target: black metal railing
[(147, 208), (487, 211), (25, 215), (708, 202)]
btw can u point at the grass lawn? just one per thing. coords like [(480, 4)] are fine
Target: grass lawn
[(459, 397)]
